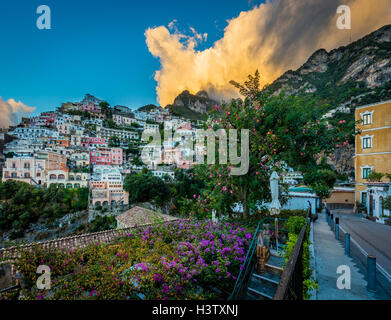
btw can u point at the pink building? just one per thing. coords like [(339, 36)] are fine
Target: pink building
[(107, 193), (91, 108), (87, 142), (33, 169), (45, 119), (106, 156), (175, 156)]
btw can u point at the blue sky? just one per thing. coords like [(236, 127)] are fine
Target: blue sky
[(95, 47)]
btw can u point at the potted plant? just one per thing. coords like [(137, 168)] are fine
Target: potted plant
[(361, 207)]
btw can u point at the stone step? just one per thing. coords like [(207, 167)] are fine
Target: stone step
[(254, 294), (265, 284)]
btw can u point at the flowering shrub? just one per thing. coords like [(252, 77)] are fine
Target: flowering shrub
[(182, 260)]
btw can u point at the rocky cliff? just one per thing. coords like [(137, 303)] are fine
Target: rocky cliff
[(353, 75), (192, 106), (349, 76)]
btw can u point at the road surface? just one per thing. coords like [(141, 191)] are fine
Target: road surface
[(374, 238)]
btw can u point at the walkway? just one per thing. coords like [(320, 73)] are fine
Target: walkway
[(329, 255)]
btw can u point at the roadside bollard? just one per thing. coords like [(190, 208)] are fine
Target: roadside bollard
[(337, 228), (371, 270), (347, 244), (331, 220)]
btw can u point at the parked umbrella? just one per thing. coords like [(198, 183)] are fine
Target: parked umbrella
[(275, 205)]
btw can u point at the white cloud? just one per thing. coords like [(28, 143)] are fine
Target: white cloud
[(11, 112)]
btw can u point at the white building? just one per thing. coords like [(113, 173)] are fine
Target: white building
[(140, 115), (33, 133), (107, 133)]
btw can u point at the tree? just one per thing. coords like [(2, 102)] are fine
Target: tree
[(144, 187), (321, 181), (250, 87), (283, 130)]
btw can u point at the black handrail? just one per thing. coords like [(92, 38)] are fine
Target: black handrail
[(9, 288), (247, 262)]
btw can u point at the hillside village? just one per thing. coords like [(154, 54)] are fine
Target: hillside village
[(88, 144), (72, 175)]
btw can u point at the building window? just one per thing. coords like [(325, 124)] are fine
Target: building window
[(366, 172), (367, 119), (367, 143)]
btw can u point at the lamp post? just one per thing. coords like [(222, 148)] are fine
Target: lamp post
[(275, 205)]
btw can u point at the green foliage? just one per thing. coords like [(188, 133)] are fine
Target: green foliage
[(295, 223), (183, 111), (24, 204), (321, 181), (143, 187), (375, 176), (387, 203), (181, 260), (282, 130), (102, 223), (250, 87), (323, 176)]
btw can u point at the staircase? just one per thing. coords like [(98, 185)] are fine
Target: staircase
[(263, 287)]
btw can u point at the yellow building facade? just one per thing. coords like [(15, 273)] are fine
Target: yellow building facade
[(373, 153)]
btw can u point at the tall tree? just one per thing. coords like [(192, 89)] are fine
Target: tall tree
[(283, 131)]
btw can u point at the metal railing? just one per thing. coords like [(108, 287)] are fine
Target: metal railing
[(248, 265), (290, 286)]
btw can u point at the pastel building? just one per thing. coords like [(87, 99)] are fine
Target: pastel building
[(93, 142), (66, 179), (33, 133), (91, 107), (121, 119), (373, 153), (106, 156), (81, 158), (106, 187), (44, 119), (33, 168), (108, 133)]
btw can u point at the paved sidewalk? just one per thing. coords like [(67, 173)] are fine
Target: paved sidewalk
[(329, 255)]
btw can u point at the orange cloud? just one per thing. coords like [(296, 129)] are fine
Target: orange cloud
[(11, 111), (272, 37)]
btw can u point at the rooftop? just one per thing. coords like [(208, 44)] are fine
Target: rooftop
[(138, 216)]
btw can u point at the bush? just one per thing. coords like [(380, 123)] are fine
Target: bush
[(375, 176), (181, 260), (102, 223), (387, 203), (295, 224)]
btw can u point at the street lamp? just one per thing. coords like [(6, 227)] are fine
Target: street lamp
[(275, 205)]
